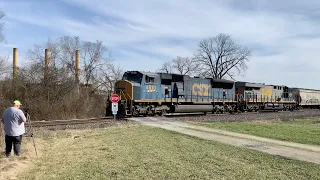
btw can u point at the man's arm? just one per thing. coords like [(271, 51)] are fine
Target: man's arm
[(23, 117)]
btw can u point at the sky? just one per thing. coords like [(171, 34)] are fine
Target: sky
[(284, 35)]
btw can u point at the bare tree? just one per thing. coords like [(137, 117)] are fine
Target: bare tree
[(59, 96), (184, 65), (45, 100), (1, 27), (180, 65), (36, 54), (166, 67), (4, 65), (3, 59), (62, 52), (93, 58), (219, 57), (67, 51), (109, 75)]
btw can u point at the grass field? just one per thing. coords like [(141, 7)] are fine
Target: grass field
[(140, 152), (306, 131)]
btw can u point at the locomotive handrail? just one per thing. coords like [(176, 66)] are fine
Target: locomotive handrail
[(121, 92)]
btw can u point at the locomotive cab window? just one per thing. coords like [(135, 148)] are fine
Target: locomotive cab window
[(133, 77), (149, 79)]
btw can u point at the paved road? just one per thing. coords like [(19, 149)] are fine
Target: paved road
[(290, 150)]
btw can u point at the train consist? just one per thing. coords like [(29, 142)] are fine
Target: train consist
[(150, 94)]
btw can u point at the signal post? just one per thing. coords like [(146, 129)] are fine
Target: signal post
[(114, 99)]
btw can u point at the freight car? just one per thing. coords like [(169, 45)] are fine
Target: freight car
[(147, 93), (306, 98)]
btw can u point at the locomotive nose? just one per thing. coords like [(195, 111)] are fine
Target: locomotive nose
[(124, 89)]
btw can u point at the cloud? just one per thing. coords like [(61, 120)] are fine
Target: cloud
[(136, 61), (284, 36)]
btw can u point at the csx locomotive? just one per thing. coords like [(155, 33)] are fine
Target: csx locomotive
[(150, 94)]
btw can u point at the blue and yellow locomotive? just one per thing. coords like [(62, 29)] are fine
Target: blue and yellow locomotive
[(149, 94)]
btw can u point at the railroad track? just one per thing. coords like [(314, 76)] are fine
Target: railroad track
[(68, 122), (173, 115)]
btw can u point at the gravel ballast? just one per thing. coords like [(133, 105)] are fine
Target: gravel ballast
[(283, 115)]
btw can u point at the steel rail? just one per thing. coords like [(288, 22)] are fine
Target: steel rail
[(69, 122)]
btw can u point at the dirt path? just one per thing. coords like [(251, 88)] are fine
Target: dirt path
[(274, 147), (252, 137), (12, 166)]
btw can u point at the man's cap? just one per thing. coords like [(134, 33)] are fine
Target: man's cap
[(17, 103)]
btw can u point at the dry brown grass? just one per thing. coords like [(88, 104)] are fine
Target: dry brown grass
[(139, 152), (11, 167), (1, 135)]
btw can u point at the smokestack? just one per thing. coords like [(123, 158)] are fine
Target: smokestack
[(46, 63), (77, 66), (15, 62)]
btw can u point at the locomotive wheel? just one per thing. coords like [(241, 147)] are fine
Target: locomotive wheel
[(162, 112), (135, 113), (121, 112), (153, 113), (147, 113)]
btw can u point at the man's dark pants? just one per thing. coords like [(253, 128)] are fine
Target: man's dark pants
[(16, 142)]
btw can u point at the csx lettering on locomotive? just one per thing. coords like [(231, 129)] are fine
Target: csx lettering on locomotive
[(200, 89)]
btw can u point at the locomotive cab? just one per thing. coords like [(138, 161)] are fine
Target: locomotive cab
[(136, 90), (145, 85)]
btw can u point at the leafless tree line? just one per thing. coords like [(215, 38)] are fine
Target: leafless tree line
[(3, 64), (52, 92), (216, 57), (180, 65), (97, 65), (56, 94)]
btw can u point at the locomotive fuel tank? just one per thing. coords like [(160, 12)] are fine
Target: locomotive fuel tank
[(191, 108), (272, 106)]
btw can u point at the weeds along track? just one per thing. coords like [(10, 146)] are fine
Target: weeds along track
[(71, 124), (66, 122)]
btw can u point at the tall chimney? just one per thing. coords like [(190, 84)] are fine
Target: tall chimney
[(77, 66), (15, 62), (46, 63)]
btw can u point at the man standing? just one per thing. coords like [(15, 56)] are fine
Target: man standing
[(13, 119)]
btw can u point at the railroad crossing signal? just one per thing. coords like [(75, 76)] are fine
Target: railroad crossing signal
[(114, 98), (114, 108)]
